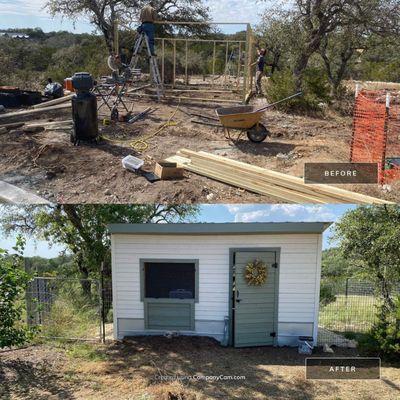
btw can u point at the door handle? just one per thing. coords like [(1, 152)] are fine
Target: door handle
[(238, 300)]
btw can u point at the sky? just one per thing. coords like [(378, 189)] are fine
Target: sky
[(31, 14), (224, 213)]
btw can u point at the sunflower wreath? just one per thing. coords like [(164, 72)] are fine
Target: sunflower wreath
[(255, 273)]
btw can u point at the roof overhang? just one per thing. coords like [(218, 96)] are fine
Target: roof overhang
[(235, 228)]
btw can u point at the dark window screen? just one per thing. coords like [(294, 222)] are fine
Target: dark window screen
[(170, 280)]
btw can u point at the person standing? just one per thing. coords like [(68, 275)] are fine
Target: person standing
[(260, 69), (147, 17)]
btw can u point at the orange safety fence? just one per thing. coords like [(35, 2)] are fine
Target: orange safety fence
[(376, 132)]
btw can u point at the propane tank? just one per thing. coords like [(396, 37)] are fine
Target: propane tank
[(84, 109)]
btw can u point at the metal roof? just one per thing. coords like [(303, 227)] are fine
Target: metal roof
[(231, 228)]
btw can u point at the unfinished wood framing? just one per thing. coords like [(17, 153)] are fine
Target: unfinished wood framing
[(240, 82), (264, 181)]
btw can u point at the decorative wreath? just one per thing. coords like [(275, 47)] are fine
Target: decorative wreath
[(255, 273)]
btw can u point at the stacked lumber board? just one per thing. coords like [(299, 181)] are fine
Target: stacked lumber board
[(34, 111), (264, 181)]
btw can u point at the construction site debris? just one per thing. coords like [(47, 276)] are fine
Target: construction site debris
[(132, 163), (168, 170)]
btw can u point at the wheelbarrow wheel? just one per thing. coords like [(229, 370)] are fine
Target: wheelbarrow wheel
[(258, 133)]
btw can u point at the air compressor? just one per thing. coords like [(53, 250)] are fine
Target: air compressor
[(84, 109)]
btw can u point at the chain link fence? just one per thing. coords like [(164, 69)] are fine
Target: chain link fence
[(348, 308), (63, 308)]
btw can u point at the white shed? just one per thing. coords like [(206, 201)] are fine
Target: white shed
[(245, 284)]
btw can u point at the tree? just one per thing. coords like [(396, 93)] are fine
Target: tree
[(316, 19), (13, 281), (278, 35), (103, 14), (83, 229), (369, 238), (337, 50)]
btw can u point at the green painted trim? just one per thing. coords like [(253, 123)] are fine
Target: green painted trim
[(171, 302), (220, 228), (142, 261), (232, 251)]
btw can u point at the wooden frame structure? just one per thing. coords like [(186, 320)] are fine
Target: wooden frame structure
[(243, 78)]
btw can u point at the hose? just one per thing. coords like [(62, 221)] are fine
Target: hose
[(141, 145)]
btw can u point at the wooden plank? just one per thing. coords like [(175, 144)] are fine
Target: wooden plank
[(262, 177), (262, 180), (252, 185), (35, 111), (193, 99), (292, 181), (54, 102)]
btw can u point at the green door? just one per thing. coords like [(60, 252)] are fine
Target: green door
[(254, 305)]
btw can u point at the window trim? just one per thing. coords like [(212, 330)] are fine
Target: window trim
[(142, 262)]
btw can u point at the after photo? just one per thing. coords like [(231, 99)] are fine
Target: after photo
[(205, 302)]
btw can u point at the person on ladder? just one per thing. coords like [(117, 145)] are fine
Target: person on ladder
[(147, 17)]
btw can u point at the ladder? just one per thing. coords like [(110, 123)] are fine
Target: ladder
[(154, 72)]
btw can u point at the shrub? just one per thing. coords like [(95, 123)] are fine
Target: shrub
[(384, 338), (326, 295), (13, 281), (281, 84)]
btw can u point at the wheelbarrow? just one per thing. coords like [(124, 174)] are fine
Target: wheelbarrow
[(247, 119)]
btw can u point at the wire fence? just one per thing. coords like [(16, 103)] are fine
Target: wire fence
[(64, 308), (348, 308)]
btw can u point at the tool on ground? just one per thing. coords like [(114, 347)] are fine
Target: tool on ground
[(247, 118), (140, 115), (142, 40), (84, 109), (135, 164)]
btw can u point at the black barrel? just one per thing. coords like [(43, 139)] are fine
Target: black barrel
[(84, 109)]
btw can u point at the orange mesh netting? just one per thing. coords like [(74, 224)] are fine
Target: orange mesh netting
[(376, 132)]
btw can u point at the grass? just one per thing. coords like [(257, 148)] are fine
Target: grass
[(85, 351), (349, 314)]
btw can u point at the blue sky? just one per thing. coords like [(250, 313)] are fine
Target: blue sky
[(31, 14), (227, 213)]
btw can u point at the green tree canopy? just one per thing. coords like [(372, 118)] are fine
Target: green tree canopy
[(369, 239)]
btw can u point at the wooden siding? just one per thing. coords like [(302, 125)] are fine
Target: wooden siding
[(297, 275)]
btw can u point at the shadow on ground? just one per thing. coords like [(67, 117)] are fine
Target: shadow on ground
[(29, 380)]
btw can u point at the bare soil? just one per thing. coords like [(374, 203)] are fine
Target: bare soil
[(50, 165), (133, 369)]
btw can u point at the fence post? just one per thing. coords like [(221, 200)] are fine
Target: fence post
[(102, 311), (347, 304)]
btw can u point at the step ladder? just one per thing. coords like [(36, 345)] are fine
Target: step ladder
[(154, 72)]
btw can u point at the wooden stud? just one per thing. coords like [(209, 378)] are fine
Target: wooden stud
[(239, 65), (163, 61), (186, 63), (116, 38), (226, 62), (213, 63), (174, 64)]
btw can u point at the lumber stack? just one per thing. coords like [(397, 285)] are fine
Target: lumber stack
[(263, 181), (33, 111)]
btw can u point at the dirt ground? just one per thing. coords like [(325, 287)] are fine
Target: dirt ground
[(133, 369), (48, 164)]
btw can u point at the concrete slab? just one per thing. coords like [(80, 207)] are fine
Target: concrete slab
[(15, 195)]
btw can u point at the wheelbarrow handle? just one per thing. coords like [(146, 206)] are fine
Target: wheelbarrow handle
[(279, 101)]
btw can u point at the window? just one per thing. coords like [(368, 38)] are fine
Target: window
[(170, 280)]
